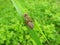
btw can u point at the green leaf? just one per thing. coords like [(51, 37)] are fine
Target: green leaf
[(18, 7), (20, 10), (34, 36)]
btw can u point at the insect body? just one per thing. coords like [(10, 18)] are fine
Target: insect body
[(28, 21)]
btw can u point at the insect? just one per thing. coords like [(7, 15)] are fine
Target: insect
[(28, 21)]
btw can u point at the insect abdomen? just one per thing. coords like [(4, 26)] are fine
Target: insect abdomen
[(30, 24)]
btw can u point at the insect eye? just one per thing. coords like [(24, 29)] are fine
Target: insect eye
[(25, 15)]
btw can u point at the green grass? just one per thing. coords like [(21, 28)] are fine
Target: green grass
[(46, 19)]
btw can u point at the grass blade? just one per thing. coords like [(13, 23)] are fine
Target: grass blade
[(20, 10), (34, 36), (18, 7)]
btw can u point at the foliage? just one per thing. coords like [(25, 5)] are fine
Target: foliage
[(46, 18)]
